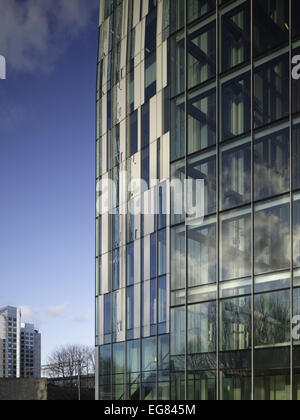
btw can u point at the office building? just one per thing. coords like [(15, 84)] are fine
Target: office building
[(199, 89)]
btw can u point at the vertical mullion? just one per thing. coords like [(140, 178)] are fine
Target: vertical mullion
[(252, 197), (186, 174), (291, 200), (218, 114)]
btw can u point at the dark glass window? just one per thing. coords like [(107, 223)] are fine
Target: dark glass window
[(236, 244), (272, 236), (177, 128), (236, 106), (201, 120), (177, 64), (145, 125), (235, 174), (296, 82), (295, 18), (203, 167), (272, 164), (202, 254), (236, 36), (198, 8), (296, 239), (271, 91), (201, 46), (271, 24), (176, 15), (133, 134), (296, 156), (146, 165)]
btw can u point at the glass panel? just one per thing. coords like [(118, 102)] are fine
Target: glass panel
[(177, 192), (272, 164), (235, 385), (177, 63), (133, 356), (296, 234), (296, 156), (198, 8), (178, 256), (236, 245), (176, 14), (235, 325), (295, 18), (202, 386), (202, 328), (271, 91), (149, 354), (201, 45), (236, 36), (271, 24), (236, 105), (202, 254), (178, 327), (272, 319), (272, 236), (177, 128), (203, 167), (235, 174), (201, 119)]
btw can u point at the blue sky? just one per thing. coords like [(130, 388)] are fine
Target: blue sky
[(47, 137)]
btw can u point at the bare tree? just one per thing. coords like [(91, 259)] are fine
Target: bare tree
[(70, 361)]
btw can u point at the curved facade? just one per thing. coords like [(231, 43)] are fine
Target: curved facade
[(199, 89)]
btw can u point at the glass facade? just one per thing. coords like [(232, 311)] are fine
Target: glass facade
[(199, 89)]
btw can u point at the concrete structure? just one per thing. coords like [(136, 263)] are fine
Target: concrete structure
[(10, 322), (20, 346), (23, 389), (30, 354)]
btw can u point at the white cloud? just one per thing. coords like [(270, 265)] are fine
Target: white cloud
[(28, 314), (56, 311), (33, 33), (80, 319)]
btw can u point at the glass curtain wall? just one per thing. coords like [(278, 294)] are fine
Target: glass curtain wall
[(199, 89)]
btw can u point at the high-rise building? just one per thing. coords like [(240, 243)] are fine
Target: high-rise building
[(20, 346), (199, 90), (30, 354), (10, 319)]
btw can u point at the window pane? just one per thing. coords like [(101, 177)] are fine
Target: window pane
[(177, 128), (177, 63), (296, 238), (178, 331), (296, 156), (272, 236), (176, 14), (271, 91), (203, 167), (272, 164), (236, 36), (235, 174), (236, 245), (201, 45), (198, 8), (235, 324), (201, 120), (236, 106), (271, 20), (272, 319), (202, 328), (178, 258), (202, 254)]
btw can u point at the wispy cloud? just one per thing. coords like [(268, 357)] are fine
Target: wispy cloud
[(56, 311), (28, 314), (33, 33), (80, 319)]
